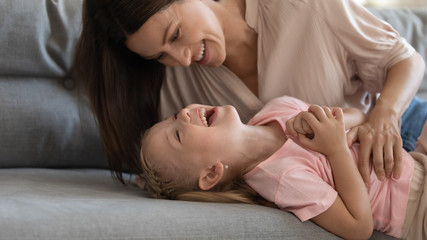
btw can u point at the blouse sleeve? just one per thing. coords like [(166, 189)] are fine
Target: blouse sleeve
[(372, 44)]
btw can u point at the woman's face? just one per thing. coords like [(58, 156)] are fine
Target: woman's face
[(187, 31)]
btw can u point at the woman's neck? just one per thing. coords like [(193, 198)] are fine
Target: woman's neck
[(241, 43)]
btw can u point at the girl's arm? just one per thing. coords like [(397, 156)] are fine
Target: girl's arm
[(352, 117), (350, 216)]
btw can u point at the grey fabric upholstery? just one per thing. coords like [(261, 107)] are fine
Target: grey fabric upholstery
[(412, 25), (44, 124), (85, 204)]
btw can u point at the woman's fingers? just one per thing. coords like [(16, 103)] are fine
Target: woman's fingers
[(388, 158), (377, 158), (364, 158), (398, 155)]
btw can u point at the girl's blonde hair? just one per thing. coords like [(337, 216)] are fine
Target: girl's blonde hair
[(183, 187)]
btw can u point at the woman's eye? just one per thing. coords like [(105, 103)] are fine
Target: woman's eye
[(176, 34), (177, 136), (159, 57)]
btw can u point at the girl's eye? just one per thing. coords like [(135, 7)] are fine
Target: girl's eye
[(177, 136), (175, 116), (176, 34)]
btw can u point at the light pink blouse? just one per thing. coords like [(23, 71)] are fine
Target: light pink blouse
[(329, 52), (301, 181)]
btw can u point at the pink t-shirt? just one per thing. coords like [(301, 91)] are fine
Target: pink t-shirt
[(300, 181)]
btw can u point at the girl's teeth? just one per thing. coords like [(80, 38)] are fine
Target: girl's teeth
[(203, 117), (202, 52)]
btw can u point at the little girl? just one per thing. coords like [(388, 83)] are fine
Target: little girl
[(290, 155)]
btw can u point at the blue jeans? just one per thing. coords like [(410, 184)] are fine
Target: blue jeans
[(412, 123)]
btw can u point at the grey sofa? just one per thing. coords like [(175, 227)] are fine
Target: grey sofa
[(54, 182)]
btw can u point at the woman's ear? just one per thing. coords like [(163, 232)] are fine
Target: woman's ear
[(210, 176)]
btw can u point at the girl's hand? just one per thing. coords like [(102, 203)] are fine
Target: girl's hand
[(297, 125), (380, 139), (328, 128)]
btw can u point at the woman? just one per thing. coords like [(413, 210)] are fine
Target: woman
[(244, 53)]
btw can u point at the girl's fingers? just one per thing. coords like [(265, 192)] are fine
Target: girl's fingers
[(327, 111), (307, 129), (338, 113), (311, 119), (290, 127), (318, 112), (352, 136)]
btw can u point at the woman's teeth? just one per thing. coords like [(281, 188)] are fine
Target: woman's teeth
[(203, 117), (202, 52)]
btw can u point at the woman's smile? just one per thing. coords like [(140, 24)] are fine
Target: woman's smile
[(202, 52), (203, 56)]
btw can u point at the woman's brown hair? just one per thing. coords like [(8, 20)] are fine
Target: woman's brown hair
[(123, 88)]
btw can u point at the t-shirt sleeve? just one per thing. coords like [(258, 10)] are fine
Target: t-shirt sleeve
[(280, 109), (372, 44), (304, 193)]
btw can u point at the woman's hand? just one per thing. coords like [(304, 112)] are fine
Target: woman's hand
[(328, 129), (380, 138)]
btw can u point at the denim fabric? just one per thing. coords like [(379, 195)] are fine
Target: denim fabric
[(412, 123)]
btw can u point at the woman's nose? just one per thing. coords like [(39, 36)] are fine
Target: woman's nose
[(182, 55)]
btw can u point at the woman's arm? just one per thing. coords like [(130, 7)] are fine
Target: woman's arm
[(350, 216), (380, 135)]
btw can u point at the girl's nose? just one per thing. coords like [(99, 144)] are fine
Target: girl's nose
[(184, 115)]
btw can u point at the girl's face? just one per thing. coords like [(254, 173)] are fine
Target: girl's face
[(197, 137), (187, 31)]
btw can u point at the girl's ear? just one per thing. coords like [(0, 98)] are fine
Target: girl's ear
[(140, 181), (210, 176)]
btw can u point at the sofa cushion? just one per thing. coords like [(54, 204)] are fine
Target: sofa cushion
[(44, 121), (86, 204)]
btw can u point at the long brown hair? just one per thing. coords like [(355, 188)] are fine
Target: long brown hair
[(122, 87)]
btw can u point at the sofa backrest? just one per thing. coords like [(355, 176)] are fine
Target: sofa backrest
[(412, 25), (43, 121)]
